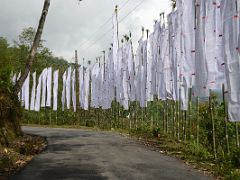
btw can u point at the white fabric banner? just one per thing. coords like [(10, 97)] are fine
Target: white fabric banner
[(64, 90), (55, 90), (44, 87), (68, 87), (18, 77), (115, 41), (200, 88), (49, 87), (33, 94), (74, 90), (38, 94), (86, 89), (26, 92), (232, 60)]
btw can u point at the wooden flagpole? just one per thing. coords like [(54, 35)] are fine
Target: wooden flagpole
[(197, 108), (225, 118), (189, 113), (237, 134), (213, 124)]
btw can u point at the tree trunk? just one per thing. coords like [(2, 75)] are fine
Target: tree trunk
[(34, 47)]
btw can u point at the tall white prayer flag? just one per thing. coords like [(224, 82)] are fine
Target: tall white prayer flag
[(200, 88), (64, 90), (188, 35), (14, 79), (49, 87), (74, 90), (232, 59), (55, 90), (18, 77), (115, 40), (33, 94), (26, 92), (38, 94), (68, 87), (44, 87), (86, 89), (81, 87)]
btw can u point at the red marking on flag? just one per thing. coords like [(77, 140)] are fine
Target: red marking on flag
[(235, 17)]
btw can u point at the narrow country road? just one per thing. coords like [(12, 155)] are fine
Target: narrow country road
[(83, 154)]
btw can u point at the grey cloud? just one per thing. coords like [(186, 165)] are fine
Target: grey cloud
[(69, 23)]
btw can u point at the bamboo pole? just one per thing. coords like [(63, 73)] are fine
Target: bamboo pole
[(50, 116), (56, 117), (189, 113), (174, 119), (152, 115), (197, 108), (213, 125), (178, 120), (142, 120), (136, 115), (225, 118), (158, 114), (185, 126), (167, 108), (130, 115), (164, 117), (237, 134)]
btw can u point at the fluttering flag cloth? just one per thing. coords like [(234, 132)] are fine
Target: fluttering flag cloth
[(18, 77), (64, 90), (188, 43), (55, 90), (86, 89), (38, 94), (232, 59), (74, 90), (81, 87), (138, 70), (26, 92), (200, 88), (44, 87), (149, 73), (14, 79), (33, 94), (49, 87), (95, 86), (68, 87), (115, 48)]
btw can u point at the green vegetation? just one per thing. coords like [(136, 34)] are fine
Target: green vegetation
[(13, 59)]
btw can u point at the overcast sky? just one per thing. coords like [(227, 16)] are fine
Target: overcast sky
[(71, 25)]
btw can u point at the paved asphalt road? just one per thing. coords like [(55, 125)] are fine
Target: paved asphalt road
[(83, 154)]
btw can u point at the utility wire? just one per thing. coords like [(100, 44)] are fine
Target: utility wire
[(132, 11), (105, 23), (109, 30)]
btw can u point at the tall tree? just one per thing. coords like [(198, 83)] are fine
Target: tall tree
[(34, 46)]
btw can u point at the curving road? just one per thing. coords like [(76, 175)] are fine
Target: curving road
[(83, 154)]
